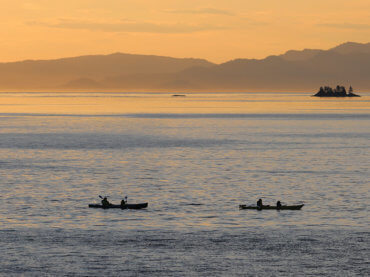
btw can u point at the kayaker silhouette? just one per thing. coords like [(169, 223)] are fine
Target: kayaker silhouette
[(278, 205), (259, 203), (105, 202), (123, 202)]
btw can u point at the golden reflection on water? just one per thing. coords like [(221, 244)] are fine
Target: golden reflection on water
[(126, 103)]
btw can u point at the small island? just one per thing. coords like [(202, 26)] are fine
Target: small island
[(339, 91)]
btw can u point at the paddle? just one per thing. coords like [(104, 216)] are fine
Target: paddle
[(124, 200)]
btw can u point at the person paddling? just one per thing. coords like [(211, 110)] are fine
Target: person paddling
[(278, 205), (123, 203), (259, 203), (105, 202)]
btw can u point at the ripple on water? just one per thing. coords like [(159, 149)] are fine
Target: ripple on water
[(194, 170)]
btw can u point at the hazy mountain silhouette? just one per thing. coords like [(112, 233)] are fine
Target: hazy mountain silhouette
[(77, 71), (295, 55), (305, 70), (82, 83), (344, 49), (352, 47)]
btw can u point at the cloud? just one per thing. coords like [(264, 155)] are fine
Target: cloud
[(352, 26), (202, 11), (128, 26)]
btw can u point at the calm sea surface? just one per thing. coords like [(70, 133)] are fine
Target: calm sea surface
[(194, 159)]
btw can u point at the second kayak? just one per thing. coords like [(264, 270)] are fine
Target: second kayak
[(126, 206), (268, 207)]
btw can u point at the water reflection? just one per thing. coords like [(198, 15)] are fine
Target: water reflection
[(244, 147), (123, 103)]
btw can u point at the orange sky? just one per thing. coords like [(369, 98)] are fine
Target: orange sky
[(217, 30)]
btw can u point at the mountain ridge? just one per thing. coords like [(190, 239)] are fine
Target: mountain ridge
[(294, 70)]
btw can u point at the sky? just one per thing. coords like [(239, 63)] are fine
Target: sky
[(217, 30)]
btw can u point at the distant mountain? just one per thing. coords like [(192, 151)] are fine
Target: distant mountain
[(66, 72), (306, 70), (352, 47), (82, 83), (306, 54)]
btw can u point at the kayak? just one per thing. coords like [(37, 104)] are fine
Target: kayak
[(268, 207), (126, 206)]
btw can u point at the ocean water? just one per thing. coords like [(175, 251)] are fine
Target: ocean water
[(194, 159)]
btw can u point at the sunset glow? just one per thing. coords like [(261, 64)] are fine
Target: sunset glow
[(212, 29)]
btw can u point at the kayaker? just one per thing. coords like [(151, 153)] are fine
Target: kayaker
[(105, 202), (123, 202), (259, 203), (278, 205)]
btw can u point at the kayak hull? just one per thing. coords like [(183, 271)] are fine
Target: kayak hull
[(126, 206), (292, 207)]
